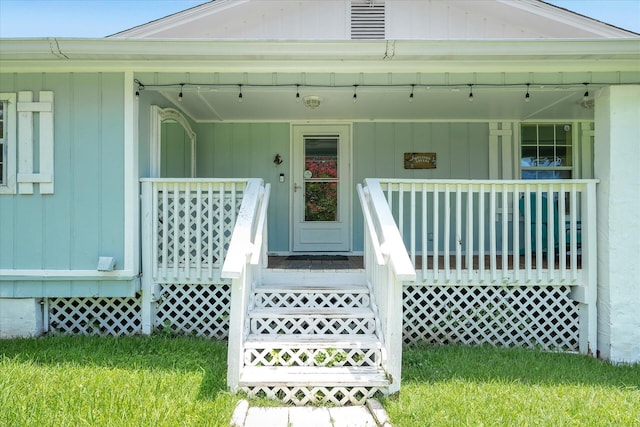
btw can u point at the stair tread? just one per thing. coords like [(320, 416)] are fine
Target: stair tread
[(331, 312), (312, 341), (313, 376), (324, 288)]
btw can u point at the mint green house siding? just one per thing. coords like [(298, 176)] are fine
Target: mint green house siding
[(84, 217), (228, 150), (247, 150), (462, 152)]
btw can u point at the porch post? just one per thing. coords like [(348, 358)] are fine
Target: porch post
[(148, 284), (617, 166)]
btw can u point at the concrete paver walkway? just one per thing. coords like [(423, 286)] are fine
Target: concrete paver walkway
[(371, 415)]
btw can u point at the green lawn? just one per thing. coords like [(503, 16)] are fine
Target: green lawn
[(485, 386), (180, 381), (102, 381)]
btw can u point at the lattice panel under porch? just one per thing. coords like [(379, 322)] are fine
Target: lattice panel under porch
[(327, 357), (201, 310), (519, 316), (95, 316), (301, 396), (311, 300), (195, 229), (311, 325)]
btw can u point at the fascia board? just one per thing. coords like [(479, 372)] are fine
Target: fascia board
[(335, 56)]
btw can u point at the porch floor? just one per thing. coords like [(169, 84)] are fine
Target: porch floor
[(349, 262), (316, 262)]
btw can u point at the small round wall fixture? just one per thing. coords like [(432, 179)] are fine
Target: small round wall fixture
[(312, 101)]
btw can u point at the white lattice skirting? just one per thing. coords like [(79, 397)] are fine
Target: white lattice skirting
[(315, 395), (201, 310), (544, 317), (518, 316), (95, 316)]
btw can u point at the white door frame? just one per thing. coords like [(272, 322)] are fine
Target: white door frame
[(346, 181)]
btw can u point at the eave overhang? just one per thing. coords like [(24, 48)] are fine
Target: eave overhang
[(113, 55)]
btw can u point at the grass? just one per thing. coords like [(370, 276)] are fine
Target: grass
[(102, 381), (485, 386), (181, 381)]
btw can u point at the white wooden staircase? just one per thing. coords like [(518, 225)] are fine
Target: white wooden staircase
[(313, 337)]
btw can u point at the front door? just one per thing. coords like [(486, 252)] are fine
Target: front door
[(321, 188)]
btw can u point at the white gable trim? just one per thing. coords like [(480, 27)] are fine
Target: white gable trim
[(180, 18), (568, 17)]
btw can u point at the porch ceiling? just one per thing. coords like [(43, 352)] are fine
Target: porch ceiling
[(377, 101)]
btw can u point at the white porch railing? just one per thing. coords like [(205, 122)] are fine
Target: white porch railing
[(500, 233), (387, 268), (187, 227), (246, 258)]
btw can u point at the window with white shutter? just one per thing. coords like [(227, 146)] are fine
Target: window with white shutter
[(28, 173)]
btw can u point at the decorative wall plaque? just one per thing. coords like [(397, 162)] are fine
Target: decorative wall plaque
[(419, 160)]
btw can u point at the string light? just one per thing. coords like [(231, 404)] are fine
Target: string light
[(180, 94), (527, 97), (181, 86)]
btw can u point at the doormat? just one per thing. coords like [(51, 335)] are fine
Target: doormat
[(317, 258)]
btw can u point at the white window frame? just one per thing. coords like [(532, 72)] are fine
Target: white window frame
[(551, 168), (9, 143)]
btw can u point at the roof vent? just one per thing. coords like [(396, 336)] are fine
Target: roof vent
[(367, 20)]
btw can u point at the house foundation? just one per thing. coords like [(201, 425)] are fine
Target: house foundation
[(20, 317)]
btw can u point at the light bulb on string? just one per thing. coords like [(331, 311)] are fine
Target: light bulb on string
[(239, 93), (527, 97), (180, 96), (470, 93), (355, 94), (411, 94), (298, 93)]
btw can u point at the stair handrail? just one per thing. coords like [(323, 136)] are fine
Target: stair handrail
[(246, 257), (387, 267), (387, 232)]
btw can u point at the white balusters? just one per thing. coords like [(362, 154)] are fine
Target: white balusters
[(192, 224), (506, 221)]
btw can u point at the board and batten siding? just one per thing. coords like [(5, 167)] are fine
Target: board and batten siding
[(231, 150), (84, 218), (462, 152), (247, 150)]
